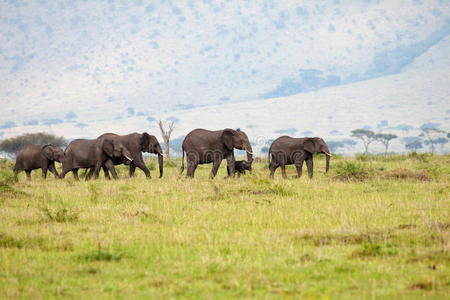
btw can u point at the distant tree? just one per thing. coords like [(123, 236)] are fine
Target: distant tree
[(429, 125), (366, 136), (441, 141), (385, 139), (431, 134), (414, 145), (166, 135), (12, 145)]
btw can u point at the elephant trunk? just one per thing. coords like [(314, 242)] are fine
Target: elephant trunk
[(328, 155), (160, 163), (249, 151)]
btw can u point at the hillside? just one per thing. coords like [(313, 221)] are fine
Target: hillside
[(417, 95)]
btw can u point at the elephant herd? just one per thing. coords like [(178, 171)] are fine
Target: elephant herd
[(201, 146)]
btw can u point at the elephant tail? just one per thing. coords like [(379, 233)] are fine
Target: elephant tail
[(182, 161)]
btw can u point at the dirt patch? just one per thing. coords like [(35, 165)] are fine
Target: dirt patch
[(345, 239), (424, 285), (406, 174), (441, 226), (406, 226)]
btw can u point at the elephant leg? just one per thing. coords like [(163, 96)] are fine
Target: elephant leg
[(310, 166), (110, 165), (141, 165), (299, 167), (28, 174), (64, 172), (132, 169), (52, 169), (273, 166), (283, 170), (44, 171), (89, 174), (106, 172), (75, 174), (192, 164), (230, 165), (215, 167), (191, 170)]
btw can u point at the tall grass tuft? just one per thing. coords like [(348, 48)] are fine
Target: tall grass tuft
[(352, 170)]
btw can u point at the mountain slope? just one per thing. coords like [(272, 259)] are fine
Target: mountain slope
[(106, 59), (417, 95)]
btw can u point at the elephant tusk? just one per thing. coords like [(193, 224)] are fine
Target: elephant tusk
[(326, 153), (129, 158), (249, 152)]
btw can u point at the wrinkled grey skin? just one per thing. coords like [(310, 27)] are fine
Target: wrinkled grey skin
[(94, 154), (286, 150), (137, 143), (31, 157), (204, 146), (240, 166)]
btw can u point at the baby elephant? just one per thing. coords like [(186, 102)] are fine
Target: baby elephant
[(240, 166), (31, 157)]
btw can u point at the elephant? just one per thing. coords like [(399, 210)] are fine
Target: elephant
[(82, 153), (240, 166), (137, 143), (287, 150), (204, 146), (31, 157)]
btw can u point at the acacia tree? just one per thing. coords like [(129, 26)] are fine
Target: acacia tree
[(431, 135), (12, 145), (441, 141), (385, 139), (366, 136), (166, 135), (414, 145)]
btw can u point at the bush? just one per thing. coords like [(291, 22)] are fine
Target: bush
[(362, 157), (7, 180), (351, 170), (60, 215)]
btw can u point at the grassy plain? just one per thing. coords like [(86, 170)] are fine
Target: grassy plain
[(373, 227)]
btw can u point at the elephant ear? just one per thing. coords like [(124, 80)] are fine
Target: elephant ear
[(145, 141), (309, 145), (227, 138), (48, 152), (108, 147)]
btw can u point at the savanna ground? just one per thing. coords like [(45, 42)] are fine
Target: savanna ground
[(373, 227)]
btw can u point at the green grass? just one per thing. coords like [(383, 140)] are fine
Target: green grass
[(372, 227)]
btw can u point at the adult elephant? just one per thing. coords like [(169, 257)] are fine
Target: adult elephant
[(204, 146), (287, 150), (137, 143), (82, 153), (32, 157)]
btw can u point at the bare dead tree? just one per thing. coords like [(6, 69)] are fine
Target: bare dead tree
[(166, 135)]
